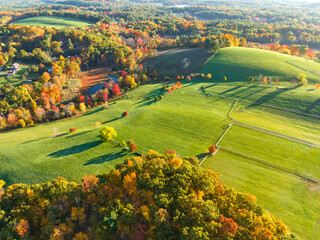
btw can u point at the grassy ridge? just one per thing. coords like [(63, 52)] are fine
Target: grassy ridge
[(239, 64), (51, 21)]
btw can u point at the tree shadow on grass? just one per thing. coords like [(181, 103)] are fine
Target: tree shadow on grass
[(111, 120), (61, 135), (201, 156), (146, 103), (93, 112), (105, 158), (75, 149), (313, 105), (230, 90), (79, 134), (213, 85), (35, 140), (270, 96)]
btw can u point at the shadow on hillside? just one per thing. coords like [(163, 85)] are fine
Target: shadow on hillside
[(213, 85), (79, 134), (111, 120), (75, 149), (201, 156), (245, 94), (270, 96), (145, 103), (35, 140), (230, 90), (313, 105), (93, 112), (61, 135), (105, 158)]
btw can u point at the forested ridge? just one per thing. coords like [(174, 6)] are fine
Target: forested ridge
[(151, 197)]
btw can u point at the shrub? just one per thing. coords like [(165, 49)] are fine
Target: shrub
[(171, 152), (132, 146), (105, 106), (72, 130), (107, 133), (22, 123), (97, 125), (124, 114), (303, 79), (212, 149), (82, 107)]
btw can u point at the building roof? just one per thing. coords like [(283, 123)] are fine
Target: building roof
[(116, 80), (95, 89)]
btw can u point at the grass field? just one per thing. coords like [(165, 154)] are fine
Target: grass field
[(188, 121), (180, 61), (51, 21), (239, 64), (15, 80)]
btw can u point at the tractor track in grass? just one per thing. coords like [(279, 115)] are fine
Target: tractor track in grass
[(272, 165), (275, 134), (257, 160), (262, 104), (27, 173)]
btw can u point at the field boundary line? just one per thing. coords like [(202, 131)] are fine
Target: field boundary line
[(231, 110), (304, 69), (278, 167), (224, 133), (207, 60), (269, 106), (276, 134)]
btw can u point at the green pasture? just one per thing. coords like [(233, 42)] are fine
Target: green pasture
[(52, 21)]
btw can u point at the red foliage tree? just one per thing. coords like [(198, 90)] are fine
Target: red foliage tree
[(82, 99), (133, 147), (212, 149), (124, 114), (116, 89), (228, 225), (105, 96), (72, 129)]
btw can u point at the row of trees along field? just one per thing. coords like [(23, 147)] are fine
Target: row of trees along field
[(152, 197)]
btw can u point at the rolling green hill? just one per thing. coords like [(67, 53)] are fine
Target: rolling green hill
[(274, 168), (52, 21), (239, 64)]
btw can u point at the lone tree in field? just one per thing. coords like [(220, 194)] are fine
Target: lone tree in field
[(212, 149), (107, 133), (303, 79)]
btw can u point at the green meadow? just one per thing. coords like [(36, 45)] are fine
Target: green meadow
[(239, 64), (188, 121), (53, 21)]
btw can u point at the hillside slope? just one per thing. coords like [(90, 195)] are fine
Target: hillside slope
[(239, 64)]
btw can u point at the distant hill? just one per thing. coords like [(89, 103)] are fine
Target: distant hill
[(239, 64)]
